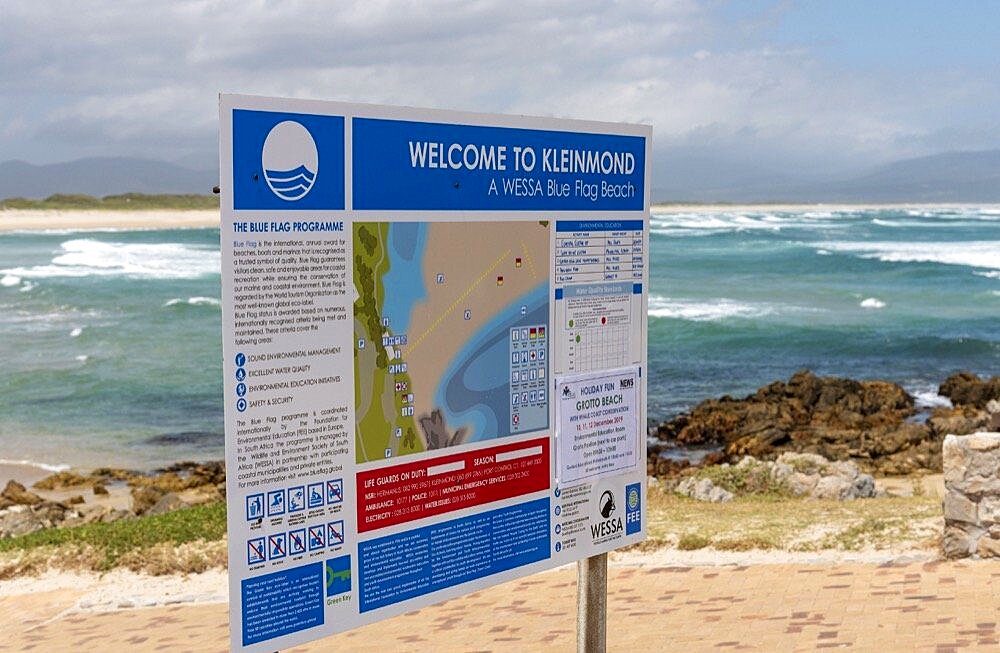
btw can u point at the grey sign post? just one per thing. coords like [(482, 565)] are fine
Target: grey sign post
[(592, 604)]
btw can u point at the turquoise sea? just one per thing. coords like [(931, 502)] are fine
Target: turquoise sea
[(110, 340)]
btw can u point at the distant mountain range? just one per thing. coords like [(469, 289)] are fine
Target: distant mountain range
[(948, 177), (102, 176)]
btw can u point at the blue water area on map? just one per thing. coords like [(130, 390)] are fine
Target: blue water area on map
[(405, 276), (475, 390)]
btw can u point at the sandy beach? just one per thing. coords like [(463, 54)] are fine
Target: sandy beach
[(17, 220), (24, 473), (34, 220)]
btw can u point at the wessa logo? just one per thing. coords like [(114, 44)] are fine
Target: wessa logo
[(610, 526), (607, 505), (290, 160)]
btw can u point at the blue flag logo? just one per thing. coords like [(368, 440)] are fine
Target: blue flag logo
[(290, 160), (276, 161)]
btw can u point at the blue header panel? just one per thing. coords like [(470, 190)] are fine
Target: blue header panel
[(403, 165), (598, 225), (290, 161)]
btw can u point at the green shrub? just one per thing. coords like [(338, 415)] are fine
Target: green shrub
[(692, 542)]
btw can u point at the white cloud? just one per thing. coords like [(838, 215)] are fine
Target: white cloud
[(142, 77)]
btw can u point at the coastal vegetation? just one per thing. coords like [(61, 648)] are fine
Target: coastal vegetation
[(769, 522), (173, 542), (126, 201), (192, 540)]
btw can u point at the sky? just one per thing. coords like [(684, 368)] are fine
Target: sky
[(819, 88)]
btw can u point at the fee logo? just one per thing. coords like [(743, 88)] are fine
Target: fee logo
[(633, 508)]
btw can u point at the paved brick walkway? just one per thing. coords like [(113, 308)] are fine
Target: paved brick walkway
[(937, 606)]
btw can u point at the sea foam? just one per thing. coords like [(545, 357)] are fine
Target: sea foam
[(872, 302), (31, 463), (85, 257), (976, 254), (192, 301), (705, 311), (706, 224)]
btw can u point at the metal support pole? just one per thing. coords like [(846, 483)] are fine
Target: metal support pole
[(592, 604)]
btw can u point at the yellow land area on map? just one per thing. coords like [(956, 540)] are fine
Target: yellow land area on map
[(471, 272)]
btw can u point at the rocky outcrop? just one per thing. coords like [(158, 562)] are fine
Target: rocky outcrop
[(975, 405), (179, 486), (16, 494), (63, 480), (179, 477), (967, 389), (703, 489), (795, 474), (972, 496), (840, 419), (22, 519), (145, 497)]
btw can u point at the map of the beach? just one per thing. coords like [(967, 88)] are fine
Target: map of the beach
[(450, 333)]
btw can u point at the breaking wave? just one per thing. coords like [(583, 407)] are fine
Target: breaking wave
[(85, 257)]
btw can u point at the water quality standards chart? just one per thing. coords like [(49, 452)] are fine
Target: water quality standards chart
[(434, 355)]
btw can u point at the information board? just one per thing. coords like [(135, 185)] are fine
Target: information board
[(434, 331)]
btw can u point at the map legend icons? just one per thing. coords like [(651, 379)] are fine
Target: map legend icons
[(335, 533), (529, 409), (317, 538), (275, 503), (335, 491), (315, 495), (277, 546), (241, 388), (296, 499), (297, 541), (255, 551), (255, 506)]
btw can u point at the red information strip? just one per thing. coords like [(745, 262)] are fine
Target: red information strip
[(403, 493)]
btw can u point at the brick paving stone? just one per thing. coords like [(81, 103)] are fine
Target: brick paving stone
[(939, 606)]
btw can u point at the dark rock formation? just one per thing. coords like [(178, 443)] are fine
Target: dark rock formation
[(967, 389), (179, 486), (437, 433), (840, 419), (17, 494)]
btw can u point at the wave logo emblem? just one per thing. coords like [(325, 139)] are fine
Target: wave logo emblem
[(633, 498), (290, 160)]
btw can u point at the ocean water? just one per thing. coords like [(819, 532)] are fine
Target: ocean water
[(740, 299), (111, 347), (111, 340)]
